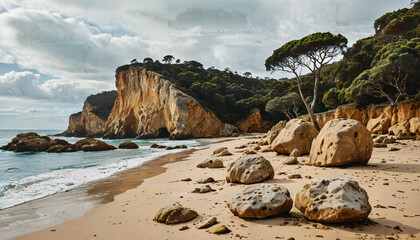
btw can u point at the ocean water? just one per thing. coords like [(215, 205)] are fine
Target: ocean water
[(28, 176)]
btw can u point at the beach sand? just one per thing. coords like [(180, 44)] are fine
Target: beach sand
[(130, 215)]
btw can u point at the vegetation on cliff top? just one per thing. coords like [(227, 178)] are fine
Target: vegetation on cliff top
[(102, 103)]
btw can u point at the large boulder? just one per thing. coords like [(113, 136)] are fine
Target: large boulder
[(250, 169), (175, 213), (414, 125), (296, 134), (400, 130), (274, 132), (379, 125), (333, 201), (91, 145), (260, 201), (341, 142)]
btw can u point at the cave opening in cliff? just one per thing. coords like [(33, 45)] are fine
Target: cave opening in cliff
[(163, 133)]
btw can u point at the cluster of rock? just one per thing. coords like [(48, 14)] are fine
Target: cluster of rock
[(32, 142), (154, 145), (380, 116)]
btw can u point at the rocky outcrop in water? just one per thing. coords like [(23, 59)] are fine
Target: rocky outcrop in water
[(32, 142)]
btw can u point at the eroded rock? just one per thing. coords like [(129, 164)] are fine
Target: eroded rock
[(296, 134), (333, 201), (341, 142), (379, 125), (250, 169), (260, 201)]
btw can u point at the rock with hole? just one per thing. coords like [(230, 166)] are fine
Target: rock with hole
[(333, 201), (260, 201), (341, 142), (250, 169)]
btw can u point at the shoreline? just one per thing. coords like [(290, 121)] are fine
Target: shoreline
[(130, 215), (83, 199)]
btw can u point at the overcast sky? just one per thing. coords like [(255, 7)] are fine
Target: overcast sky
[(54, 53)]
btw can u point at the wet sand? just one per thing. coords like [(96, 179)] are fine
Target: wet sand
[(391, 179)]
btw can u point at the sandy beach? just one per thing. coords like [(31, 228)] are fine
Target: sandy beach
[(391, 180)]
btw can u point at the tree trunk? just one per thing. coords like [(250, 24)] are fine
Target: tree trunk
[(308, 108), (317, 74)]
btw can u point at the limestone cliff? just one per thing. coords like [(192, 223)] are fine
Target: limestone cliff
[(85, 123), (398, 113), (149, 106), (91, 120)]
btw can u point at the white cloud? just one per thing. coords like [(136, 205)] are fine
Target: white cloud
[(23, 84)]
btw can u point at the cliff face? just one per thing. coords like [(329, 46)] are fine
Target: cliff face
[(398, 113), (254, 122), (85, 123), (149, 106)]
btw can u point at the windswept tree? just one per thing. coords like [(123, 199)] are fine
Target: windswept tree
[(287, 104), (247, 74), (168, 59), (148, 60), (312, 52)]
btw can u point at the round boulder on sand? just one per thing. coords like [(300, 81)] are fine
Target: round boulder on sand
[(296, 134), (333, 201), (250, 169), (341, 142), (260, 201), (175, 213)]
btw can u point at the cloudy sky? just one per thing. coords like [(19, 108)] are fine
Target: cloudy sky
[(54, 53)]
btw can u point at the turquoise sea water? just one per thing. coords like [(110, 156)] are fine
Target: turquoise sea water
[(28, 176)]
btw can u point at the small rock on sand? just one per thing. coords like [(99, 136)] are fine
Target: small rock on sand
[(175, 213), (290, 161), (203, 189), (295, 153), (219, 229), (219, 150), (205, 180), (211, 163), (206, 223)]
